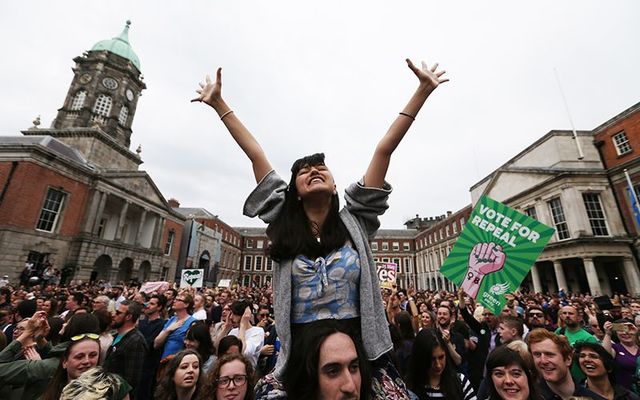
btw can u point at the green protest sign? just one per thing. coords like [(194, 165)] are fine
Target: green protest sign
[(494, 252)]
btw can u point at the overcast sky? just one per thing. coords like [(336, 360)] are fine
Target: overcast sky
[(330, 76)]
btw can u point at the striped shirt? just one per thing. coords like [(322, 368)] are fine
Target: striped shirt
[(467, 391)]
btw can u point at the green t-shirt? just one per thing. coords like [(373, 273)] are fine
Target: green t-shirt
[(573, 337)]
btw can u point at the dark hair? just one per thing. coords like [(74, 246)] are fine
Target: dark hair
[(226, 343), (291, 232), (211, 383), (55, 323), (79, 324), (166, 387), (300, 376), (26, 308), (172, 290), (59, 380), (53, 310), (404, 322), (6, 292), (78, 297), (104, 319), (502, 356), (133, 308), (239, 306), (162, 300), (513, 323), (420, 362), (200, 331), (607, 360)]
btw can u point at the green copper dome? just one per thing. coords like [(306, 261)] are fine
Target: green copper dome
[(119, 45)]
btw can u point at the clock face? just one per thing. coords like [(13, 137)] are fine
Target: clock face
[(109, 83), (129, 94), (86, 78)]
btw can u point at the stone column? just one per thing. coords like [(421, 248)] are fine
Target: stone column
[(157, 234), (143, 218), (99, 212), (121, 220), (535, 277), (90, 214), (562, 281), (592, 276), (633, 277), (437, 282)]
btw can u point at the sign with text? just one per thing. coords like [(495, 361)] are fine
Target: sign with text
[(387, 273), (494, 252), (192, 278)]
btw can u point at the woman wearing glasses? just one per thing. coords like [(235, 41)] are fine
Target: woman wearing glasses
[(232, 378), (182, 379)]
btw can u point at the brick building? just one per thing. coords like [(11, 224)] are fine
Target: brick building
[(618, 141), (73, 195)]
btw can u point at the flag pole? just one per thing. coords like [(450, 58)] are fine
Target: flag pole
[(566, 107)]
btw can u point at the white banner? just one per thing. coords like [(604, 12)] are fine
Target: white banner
[(192, 278)]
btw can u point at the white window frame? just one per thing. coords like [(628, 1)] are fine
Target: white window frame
[(258, 266), (248, 262), (559, 219), (385, 246), (621, 143), (396, 246), (51, 210), (374, 246), (406, 246), (79, 100), (123, 116), (169, 244), (594, 207)]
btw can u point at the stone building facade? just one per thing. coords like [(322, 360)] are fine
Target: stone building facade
[(73, 194), (561, 181)]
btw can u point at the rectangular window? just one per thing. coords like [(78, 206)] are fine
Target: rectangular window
[(622, 143), (396, 246), (374, 246), (246, 280), (396, 261), (169, 245), (385, 259), (260, 244), (531, 211), (462, 222), (455, 228), (559, 220), (258, 263), (406, 246), (269, 264), (50, 213), (441, 236), (595, 214), (247, 263), (103, 222), (407, 265), (249, 243), (447, 230), (385, 246)]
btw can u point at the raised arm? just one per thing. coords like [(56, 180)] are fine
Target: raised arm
[(429, 79), (211, 94)]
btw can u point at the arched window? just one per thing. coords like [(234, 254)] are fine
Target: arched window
[(102, 106), (124, 114), (78, 101)]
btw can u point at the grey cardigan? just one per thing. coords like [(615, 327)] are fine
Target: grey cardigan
[(360, 216)]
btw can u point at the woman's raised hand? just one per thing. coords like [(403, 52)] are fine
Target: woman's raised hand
[(210, 92), (429, 77)]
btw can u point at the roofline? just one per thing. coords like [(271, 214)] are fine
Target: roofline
[(527, 149), (624, 114)]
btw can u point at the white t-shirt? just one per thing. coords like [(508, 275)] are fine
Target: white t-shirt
[(200, 315), (253, 342)]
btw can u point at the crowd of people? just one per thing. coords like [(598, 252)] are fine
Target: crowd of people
[(120, 342)]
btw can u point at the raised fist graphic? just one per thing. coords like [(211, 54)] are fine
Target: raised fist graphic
[(484, 259)]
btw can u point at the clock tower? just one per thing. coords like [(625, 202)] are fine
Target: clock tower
[(104, 92)]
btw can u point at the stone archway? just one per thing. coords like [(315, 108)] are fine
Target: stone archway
[(101, 268), (144, 271), (124, 270)]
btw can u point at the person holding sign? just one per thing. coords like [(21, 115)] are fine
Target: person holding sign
[(325, 266)]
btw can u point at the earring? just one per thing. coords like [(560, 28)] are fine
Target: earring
[(299, 198)]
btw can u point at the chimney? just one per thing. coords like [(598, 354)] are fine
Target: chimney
[(173, 203)]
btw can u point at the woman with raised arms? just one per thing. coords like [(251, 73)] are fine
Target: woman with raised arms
[(325, 268)]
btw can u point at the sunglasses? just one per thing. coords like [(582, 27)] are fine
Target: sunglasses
[(85, 335)]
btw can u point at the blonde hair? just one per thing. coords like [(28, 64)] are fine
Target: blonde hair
[(94, 384)]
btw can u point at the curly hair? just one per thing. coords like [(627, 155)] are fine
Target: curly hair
[(166, 387), (211, 383)]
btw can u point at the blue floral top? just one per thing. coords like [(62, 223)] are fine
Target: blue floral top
[(327, 288)]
